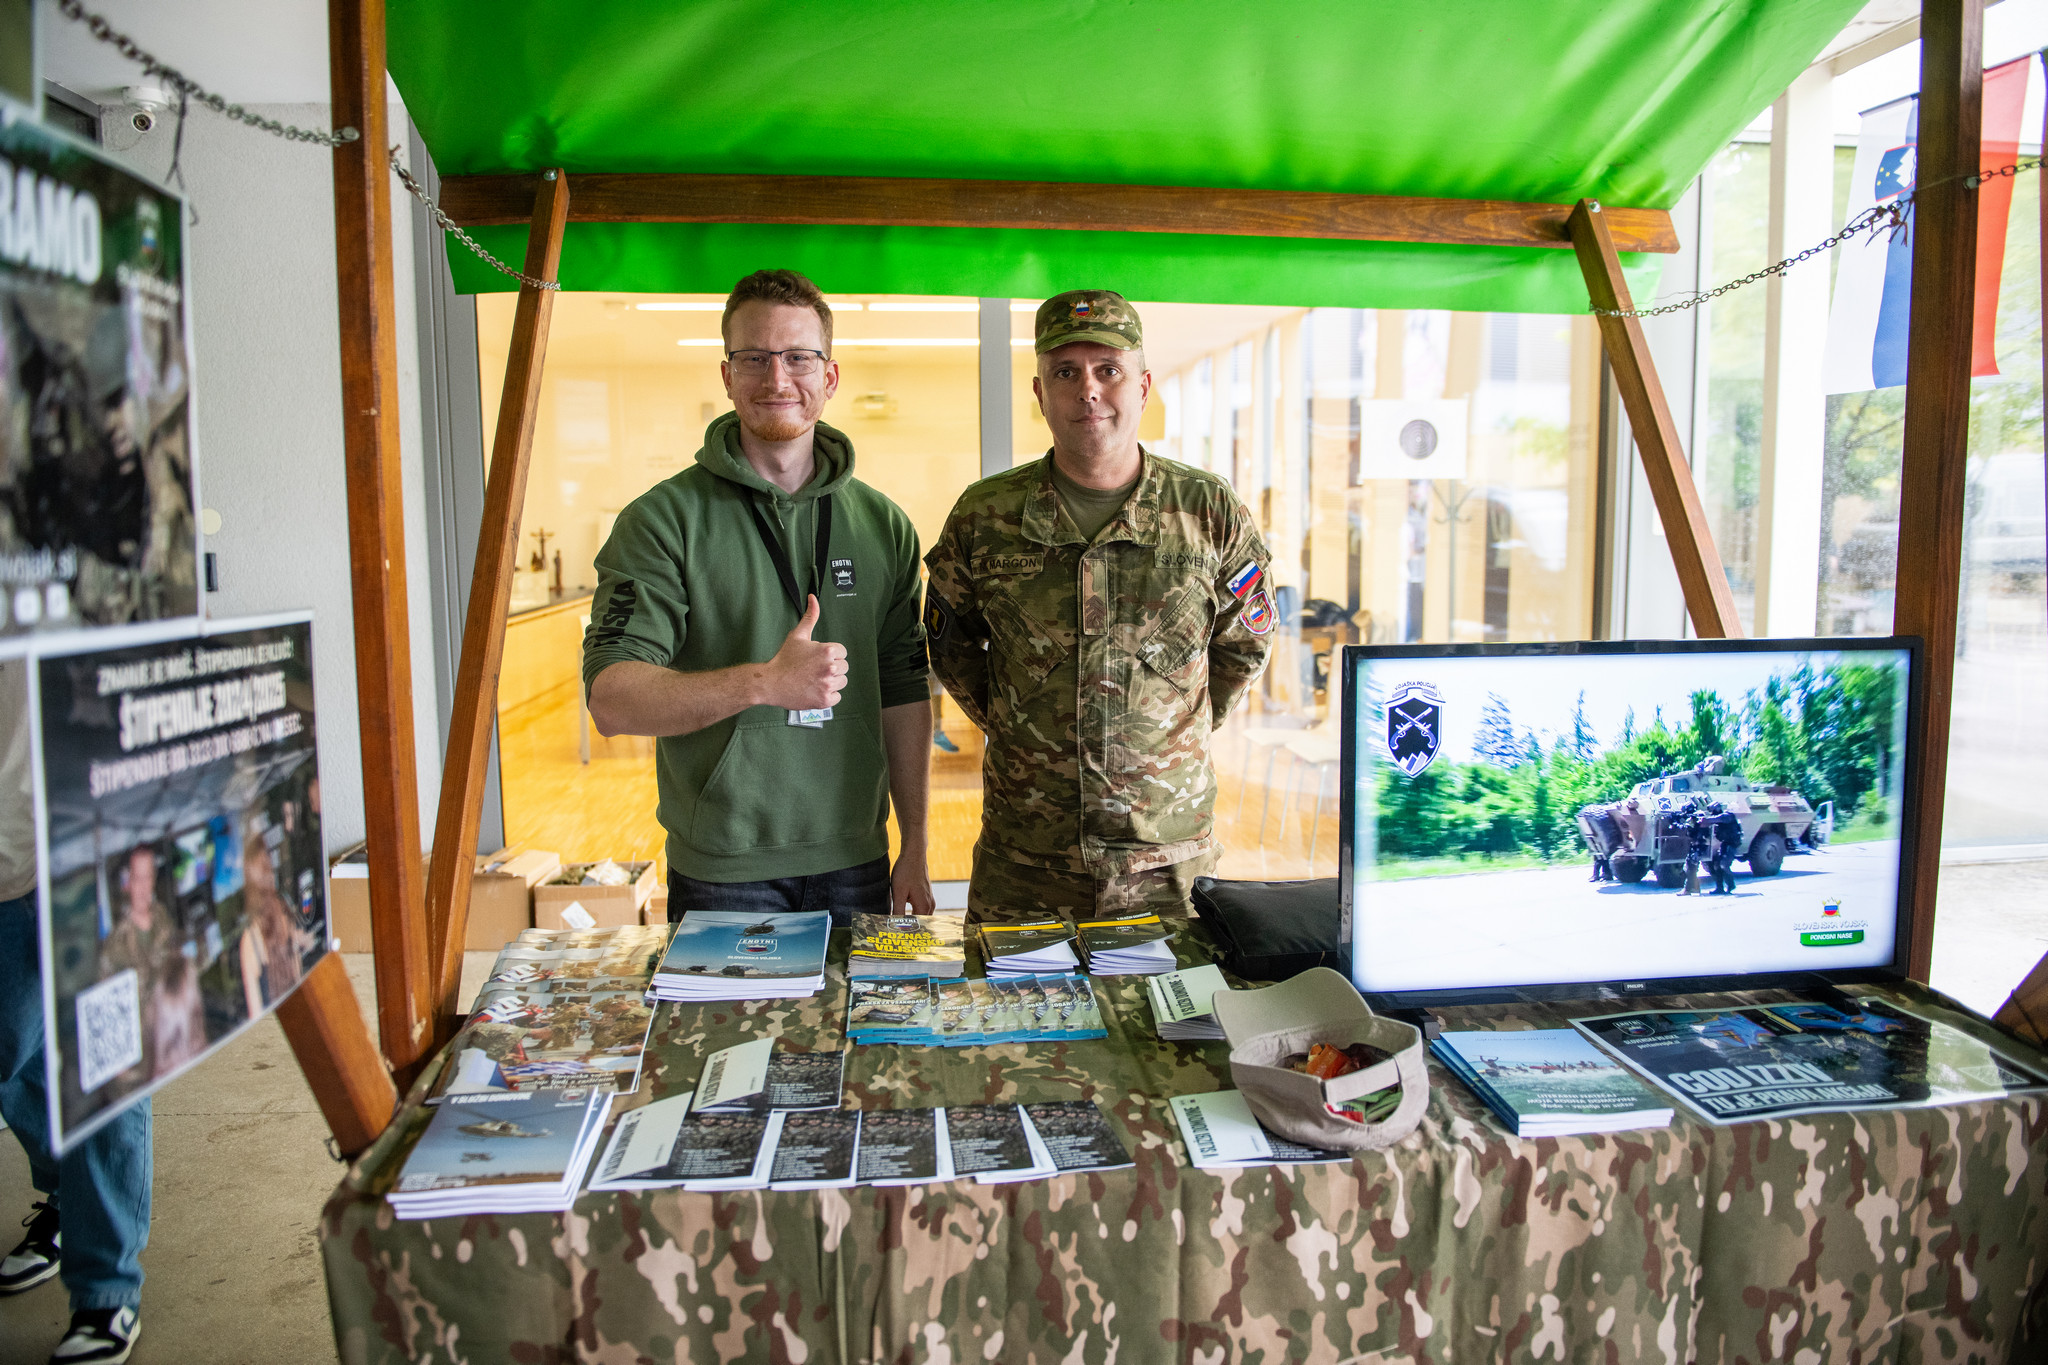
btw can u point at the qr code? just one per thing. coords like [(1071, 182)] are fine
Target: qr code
[(109, 1029)]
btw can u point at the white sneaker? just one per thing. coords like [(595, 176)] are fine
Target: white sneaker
[(98, 1336)]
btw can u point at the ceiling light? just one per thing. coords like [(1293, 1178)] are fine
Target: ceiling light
[(907, 341), (924, 307), (680, 307)]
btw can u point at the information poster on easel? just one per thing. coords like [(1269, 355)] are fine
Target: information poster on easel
[(97, 526), (182, 863)]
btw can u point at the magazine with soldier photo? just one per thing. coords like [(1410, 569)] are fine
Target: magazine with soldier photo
[(184, 874), (1733, 1065), (97, 521)]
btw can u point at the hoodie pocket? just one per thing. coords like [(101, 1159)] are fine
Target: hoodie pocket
[(779, 785)]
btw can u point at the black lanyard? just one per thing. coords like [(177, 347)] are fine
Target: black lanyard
[(773, 544)]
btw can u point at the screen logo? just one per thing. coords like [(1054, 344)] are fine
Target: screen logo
[(1415, 714)]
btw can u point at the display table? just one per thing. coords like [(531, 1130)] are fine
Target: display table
[(1901, 1234)]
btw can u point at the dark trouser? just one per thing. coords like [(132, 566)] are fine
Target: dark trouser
[(1005, 890), (863, 888), (1724, 873), (101, 1186)]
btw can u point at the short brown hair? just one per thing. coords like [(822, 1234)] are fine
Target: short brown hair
[(776, 286)]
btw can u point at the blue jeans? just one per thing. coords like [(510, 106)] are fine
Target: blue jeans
[(863, 888), (101, 1186)]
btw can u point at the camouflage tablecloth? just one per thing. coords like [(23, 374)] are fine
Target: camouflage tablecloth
[(1910, 1235)]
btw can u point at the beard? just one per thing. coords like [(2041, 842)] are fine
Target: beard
[(776, 429)]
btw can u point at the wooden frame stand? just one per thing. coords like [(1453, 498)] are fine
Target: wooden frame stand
[(419, 939)]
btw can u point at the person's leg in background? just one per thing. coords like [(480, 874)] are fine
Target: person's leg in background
[(861, 889), (100, 1188)]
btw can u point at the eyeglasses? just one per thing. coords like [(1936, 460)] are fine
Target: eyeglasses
[(758, 364)]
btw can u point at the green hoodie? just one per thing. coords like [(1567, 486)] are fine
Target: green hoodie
[(685, 583)]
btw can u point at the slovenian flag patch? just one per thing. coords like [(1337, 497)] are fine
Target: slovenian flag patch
[(1244, 580)]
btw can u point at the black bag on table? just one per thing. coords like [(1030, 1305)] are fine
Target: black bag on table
[(1270, 931)]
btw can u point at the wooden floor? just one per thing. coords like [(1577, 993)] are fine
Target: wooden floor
[(605, 809)]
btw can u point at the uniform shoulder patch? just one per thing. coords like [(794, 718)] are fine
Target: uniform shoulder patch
[(1245, 579), (938, 617), (1258, 613)]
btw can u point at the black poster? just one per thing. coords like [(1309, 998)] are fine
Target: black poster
[(96, 483), (184, 878)]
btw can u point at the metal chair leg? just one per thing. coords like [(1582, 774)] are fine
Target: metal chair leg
[(1266, 794), (1322, 780)]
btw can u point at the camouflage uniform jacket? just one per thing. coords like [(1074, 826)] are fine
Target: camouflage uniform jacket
[(1098, 670)]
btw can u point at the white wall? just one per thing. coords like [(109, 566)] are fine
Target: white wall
[(268, 377)]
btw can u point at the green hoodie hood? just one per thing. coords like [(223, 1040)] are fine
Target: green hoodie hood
[(722, 456)]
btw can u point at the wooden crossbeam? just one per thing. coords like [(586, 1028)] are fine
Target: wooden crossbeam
[(490, 596), (1937, 421), (325, 1027), (1708, 598), (883, 201)]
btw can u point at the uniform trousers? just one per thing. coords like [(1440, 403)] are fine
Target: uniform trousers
[(101, 1187), (1002, 889)]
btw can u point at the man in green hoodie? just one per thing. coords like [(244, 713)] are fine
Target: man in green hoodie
[(758, 615)]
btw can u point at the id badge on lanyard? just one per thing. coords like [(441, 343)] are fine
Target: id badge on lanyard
[(812, 718)]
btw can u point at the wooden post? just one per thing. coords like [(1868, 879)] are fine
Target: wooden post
[(376, 530), (1937, 423), (1707, 596), (490, 596), (325, 1026)]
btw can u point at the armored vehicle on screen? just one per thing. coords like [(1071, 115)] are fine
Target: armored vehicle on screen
[(1648, 832)]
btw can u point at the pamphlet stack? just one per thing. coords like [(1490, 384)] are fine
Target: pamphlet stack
[(1028, 948), (908, 945), (1129, 945), (507, 1152), (969, 1013), (727, 955), (1550, 1082)]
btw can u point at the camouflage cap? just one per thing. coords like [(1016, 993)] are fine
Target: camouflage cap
[(1098, 315)]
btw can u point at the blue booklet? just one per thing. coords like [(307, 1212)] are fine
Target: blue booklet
[(1550, 1082), (727, 955), (502, 1153)]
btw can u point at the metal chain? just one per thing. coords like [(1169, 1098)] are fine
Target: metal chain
[(190, 89), (419, 192), (1880, 217)]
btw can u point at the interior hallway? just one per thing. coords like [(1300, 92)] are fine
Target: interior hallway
[(605, 809)]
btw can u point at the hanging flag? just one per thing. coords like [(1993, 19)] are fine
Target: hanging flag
[(1868, 322)]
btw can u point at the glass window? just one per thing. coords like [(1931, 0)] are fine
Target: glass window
[(1727, 467)]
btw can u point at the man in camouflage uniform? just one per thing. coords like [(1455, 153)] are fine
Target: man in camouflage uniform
[(1097, 613)]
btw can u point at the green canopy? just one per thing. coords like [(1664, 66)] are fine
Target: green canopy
[(1618, 100)]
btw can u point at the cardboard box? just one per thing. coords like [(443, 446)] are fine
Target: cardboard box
[(348, 897), (656, 909), (608, 905), (501, 895)]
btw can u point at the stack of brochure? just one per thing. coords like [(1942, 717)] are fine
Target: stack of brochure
[(724, 955), (563, 1009), (908, 945), (1550, 1082), (671, 1143), (1129, 945), (502, 1153), (757, 1075), (1221, 1131), (1181, 1003), (1024, 1009), (1028, 948)]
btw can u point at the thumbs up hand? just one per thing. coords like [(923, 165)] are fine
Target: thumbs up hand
[(805, 674)]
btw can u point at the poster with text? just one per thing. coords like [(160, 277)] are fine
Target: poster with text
[(184, 887), (96, 471)]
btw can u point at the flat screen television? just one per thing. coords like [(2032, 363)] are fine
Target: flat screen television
[(1486, 787)]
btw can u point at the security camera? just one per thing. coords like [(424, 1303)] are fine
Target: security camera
[(145, 105)]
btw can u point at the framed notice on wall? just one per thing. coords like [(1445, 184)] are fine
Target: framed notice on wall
[(96, 470), (184, 886)]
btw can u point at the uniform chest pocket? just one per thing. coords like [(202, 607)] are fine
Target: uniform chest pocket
[(1177, 649), (1030, 606)]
